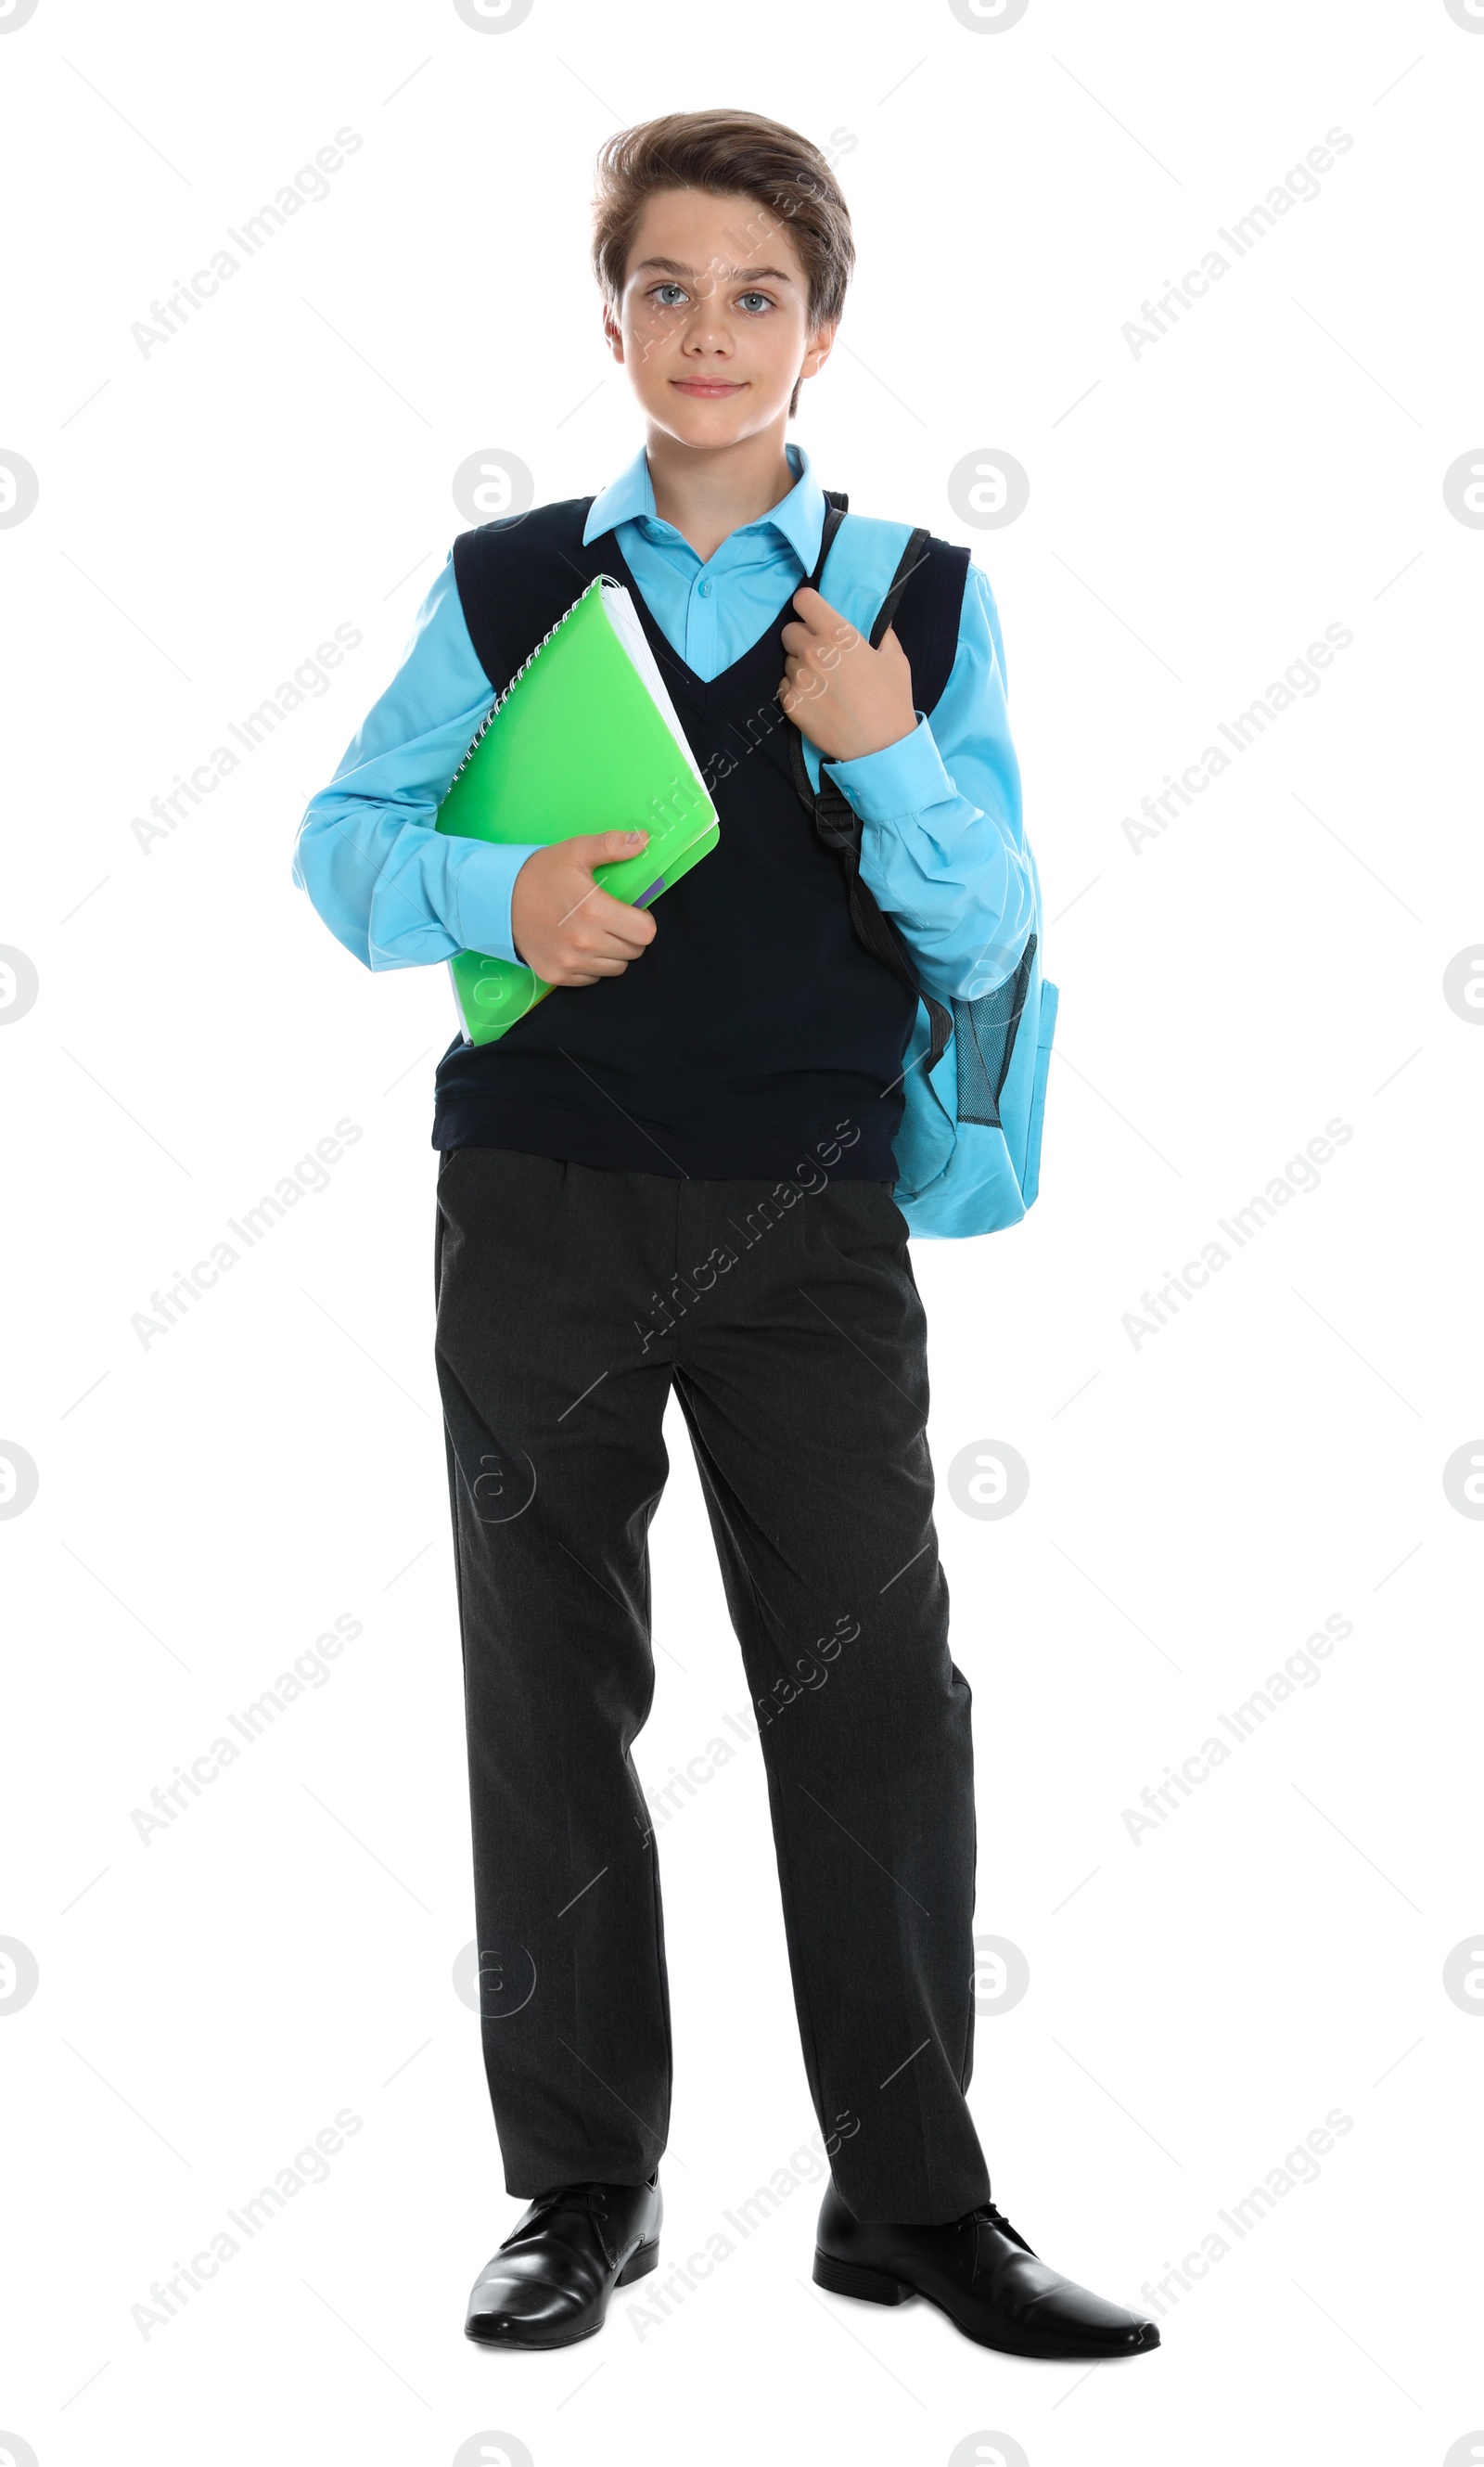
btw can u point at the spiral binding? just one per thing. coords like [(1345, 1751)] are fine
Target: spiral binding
[(530, 656)]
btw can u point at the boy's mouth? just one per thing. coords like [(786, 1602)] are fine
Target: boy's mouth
[(707, 389)]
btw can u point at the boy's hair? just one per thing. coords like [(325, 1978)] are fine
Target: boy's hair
[(729, 154)]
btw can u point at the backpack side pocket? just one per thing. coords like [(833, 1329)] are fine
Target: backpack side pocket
[(1030, 1172)]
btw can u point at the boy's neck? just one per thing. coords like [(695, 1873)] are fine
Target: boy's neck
[(708, 493)]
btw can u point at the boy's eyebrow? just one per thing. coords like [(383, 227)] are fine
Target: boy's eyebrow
[(739, 274)]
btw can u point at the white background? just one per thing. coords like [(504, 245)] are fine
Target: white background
[(1198, 1504)]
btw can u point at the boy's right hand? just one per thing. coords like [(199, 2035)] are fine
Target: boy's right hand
[(565, 925)]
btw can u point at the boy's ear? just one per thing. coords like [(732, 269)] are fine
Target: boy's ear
[(613, 334), (821, 344)]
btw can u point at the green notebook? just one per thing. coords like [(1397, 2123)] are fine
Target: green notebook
[(584, 738)]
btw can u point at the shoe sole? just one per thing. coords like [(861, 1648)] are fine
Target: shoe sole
[(880, 2287), (645, 2259)]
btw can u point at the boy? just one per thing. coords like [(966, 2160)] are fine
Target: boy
[(676, 1172)]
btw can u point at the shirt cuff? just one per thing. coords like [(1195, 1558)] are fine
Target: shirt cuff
[(485, 880), (902, 779)]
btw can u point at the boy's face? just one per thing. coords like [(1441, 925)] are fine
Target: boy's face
[(713, 325)]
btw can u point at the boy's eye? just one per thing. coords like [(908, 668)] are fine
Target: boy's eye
[(672, 295)]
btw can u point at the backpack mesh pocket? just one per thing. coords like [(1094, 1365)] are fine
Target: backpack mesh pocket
[(984, 1036)]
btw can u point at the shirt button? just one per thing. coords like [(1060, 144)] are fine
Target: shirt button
[(705, 590)]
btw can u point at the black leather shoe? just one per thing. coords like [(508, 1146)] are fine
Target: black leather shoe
[(550, 2280), (984, 2275)]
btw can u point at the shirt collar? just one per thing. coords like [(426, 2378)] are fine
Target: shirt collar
[(799, 517)]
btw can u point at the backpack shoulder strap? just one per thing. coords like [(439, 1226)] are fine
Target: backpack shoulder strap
[(914, 556), (835, 818), (836, 501)]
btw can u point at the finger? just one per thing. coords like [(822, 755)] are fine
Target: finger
[(801, 637), (805, 671), (589, 972), (602, 913), (817, 612), (607, 949), (605, 847), (593, 907), (604, 946)]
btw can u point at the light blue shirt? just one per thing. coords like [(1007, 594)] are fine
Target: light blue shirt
[(942, 842)]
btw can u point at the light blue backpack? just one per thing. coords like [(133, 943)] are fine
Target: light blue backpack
[(968, 1152)]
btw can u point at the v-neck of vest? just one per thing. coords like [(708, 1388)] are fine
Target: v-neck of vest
[(703, 689)]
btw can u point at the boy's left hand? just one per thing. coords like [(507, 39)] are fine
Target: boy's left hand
[(848, 699)]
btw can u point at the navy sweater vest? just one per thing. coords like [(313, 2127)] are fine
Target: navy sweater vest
[(756, 1031)]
